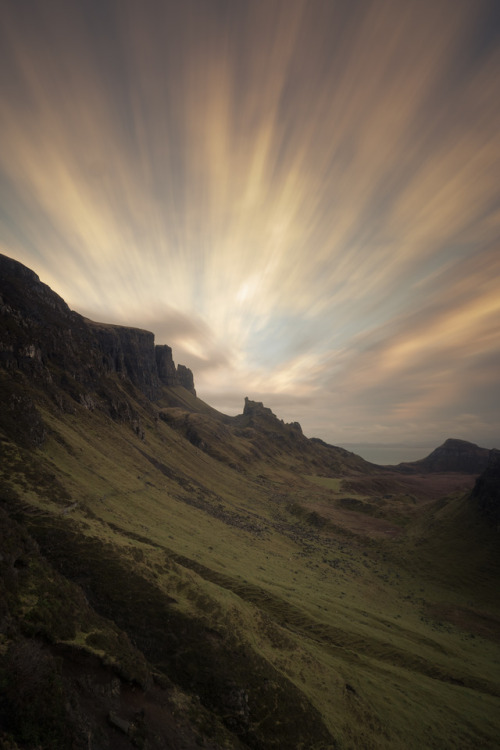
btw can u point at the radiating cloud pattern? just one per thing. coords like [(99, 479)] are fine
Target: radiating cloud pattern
[(301, 197)]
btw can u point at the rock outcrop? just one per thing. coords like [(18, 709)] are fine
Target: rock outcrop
[(256, 410), (169, 374), (41, 337), (186, 379)]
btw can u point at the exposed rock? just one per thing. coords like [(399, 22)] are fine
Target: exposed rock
[(87, 401), (41, 337), (130, 352), (186, 378), (169, 374), (236, 708), (167, 371), (256, 409)]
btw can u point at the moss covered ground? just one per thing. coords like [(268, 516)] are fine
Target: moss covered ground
[(274, 598)]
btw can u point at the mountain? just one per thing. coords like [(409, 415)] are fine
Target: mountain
[(452, 455), (49, 342), (258, 441), (172, 577)]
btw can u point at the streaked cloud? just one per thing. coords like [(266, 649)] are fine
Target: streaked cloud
[(300, 197)]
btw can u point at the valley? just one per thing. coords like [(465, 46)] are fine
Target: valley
[(186, 579)]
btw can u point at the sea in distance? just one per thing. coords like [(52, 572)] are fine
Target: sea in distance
[(389, 454)]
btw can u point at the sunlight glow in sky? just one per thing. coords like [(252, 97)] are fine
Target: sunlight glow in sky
[(302, 198)]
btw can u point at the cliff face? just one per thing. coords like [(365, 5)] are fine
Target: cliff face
[(169, 374), (37, 327), (130, 352), (43, 338), (186, 379), (256, 412), (256, 415), (255, 409), (165, 366)]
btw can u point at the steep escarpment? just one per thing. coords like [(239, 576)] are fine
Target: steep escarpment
[(41, 337), (129, 352), (168, 373)]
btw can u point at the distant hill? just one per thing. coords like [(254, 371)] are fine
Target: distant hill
[(453, 455)]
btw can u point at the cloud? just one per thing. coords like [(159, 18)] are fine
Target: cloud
[(301, 198)]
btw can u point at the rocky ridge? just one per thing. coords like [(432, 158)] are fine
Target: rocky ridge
[(47, 341), (253, 410)]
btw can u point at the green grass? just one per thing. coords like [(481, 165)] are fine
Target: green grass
[(329, 483), (233, 587)]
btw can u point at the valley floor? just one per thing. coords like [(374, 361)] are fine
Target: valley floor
[(261, 611)]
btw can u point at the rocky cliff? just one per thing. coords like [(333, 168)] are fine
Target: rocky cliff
[(255, 410), (41, 337), (168, 373)]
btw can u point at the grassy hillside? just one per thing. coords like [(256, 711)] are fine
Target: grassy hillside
[(256, 580)]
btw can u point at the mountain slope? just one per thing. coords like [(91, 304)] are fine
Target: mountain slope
[(486, 493), (452, 455), (225, 584)]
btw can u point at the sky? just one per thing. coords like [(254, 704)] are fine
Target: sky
[(302, 198)]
